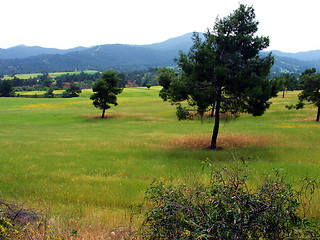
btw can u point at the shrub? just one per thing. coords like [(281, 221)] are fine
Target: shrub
[(225, 208), (17, 222)]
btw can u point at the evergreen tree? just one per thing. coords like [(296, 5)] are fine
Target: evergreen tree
[(224, 71), (72, 91), (310, 90), (6, 88), (105, 91)]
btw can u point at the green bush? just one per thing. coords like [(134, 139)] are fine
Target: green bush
[(226, 208)]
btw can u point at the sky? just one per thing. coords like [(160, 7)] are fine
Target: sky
[(292, 25)]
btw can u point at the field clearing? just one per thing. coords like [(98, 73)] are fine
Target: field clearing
[(57, 155), (53, 75)]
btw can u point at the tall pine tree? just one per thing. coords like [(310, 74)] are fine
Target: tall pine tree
[(224, 70)]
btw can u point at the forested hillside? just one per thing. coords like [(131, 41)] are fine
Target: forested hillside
[(124, 58)]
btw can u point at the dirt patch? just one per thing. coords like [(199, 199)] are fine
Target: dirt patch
[(114, 115), (198, 142)]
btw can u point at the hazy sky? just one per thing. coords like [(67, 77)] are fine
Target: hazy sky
[(292, 25)]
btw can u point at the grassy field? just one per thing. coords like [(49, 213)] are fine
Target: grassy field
[(58, 156), (53, 75)]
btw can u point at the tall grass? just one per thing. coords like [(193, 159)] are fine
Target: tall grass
[(58, 155)]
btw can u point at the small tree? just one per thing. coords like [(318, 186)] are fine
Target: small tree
[(311, 91), (287, 82), (72, 91), (49, 93), (224, 71), (45, 80), (105, 91), (6, 88)]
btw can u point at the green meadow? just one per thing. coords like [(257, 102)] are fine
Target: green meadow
[(53, 75), (60, 157)]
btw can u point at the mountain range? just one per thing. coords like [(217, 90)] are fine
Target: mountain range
[(122, 57)]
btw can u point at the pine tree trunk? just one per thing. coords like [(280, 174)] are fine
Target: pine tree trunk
[(216, 121), (103, 111), (318, 114)]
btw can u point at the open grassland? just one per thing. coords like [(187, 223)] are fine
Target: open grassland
[(58, 156), (53, 75)]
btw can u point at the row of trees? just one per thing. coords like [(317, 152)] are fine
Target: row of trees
[(142, 78), (7, 90)]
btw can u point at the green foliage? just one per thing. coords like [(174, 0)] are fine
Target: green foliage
[(183, 113), (49, 93), (72, 91), (310, 83), (226, 208), (105, 91), (6, 88), (225, 70), (45, 80), (5, 228), (287, 82)]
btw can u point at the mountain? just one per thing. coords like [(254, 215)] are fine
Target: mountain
[(121, 57), (182, 43), (112, 56), (294, 63), (302, 56), (23, 51)]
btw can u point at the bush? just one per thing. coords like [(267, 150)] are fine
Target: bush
[(17, 222), (225, 208)]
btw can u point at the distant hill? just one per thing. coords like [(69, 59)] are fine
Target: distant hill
[(302, 56), (121, 57), (22, 51), (114, 56)]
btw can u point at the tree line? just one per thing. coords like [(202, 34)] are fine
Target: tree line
[(45, 82)]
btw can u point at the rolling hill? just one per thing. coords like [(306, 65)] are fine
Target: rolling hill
[(121, 57)]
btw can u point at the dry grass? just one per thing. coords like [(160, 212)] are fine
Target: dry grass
[(198, 142), (104, 232), (109, 115), (299, 126), (44, 105)]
